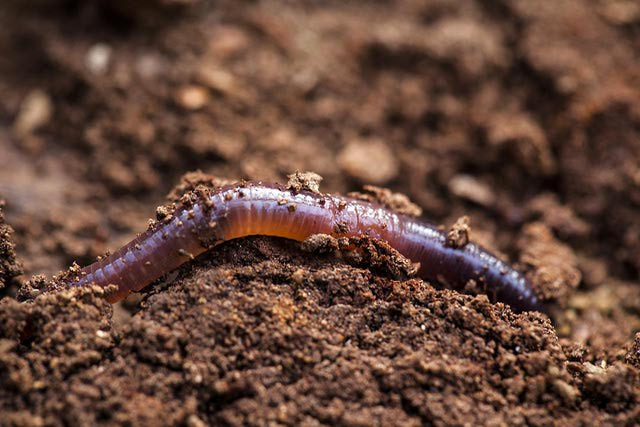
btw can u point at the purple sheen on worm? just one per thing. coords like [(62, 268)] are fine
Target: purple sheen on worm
[(257, 209)]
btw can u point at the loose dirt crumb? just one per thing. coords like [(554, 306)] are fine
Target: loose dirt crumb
[(192, 181), (192, 97), (614, 388), (163, 212), (555, 272), (379, 256), (363, 252), (397, 202), (470, 188), (369, 161), (309, 181), (458, 234), (560, 218), (522, 134), (320, 243), (36, 111), (633, 356), (603, 319)]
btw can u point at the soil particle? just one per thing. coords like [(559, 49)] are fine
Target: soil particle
[(192, 97), (617, 383), (458, 234), (193, 183), (603, 319), (363, 251), (555, 273), (520, 133), (35, 112), (468, 187), (633, 357), (320, 243), (380, 256), (396, 202), (368, 161), (558, 217), (309, 181), (473, 49)]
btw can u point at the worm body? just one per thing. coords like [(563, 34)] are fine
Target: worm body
[(256, 209)]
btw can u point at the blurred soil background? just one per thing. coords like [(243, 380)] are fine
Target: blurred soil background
[(523, 115)]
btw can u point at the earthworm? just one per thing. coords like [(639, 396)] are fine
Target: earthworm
[(250, 208)]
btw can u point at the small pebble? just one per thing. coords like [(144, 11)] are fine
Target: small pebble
[(150, 65), (468, 187), (98, 58), (227, 41), (35, 111), (217, 79), (192, 97), (371, 161)]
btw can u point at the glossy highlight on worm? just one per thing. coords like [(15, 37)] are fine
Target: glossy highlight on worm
[(250, 208)]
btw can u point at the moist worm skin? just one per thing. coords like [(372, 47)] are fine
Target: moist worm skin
[(256, 209)]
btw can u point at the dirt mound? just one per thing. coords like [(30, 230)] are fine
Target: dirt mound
[(256, 332)]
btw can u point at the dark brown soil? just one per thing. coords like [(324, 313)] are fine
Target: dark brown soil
[(9, 266), (523, 116)]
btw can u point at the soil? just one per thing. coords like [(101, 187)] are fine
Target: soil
[(522, 116)]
